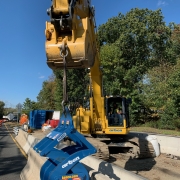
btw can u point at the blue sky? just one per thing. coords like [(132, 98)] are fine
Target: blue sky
[(22, 55)]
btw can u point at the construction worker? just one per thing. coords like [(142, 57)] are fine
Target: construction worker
[(120, 116)]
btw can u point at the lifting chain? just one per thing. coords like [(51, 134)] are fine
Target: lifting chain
[(64, 53)]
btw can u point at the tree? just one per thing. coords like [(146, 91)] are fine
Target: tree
[(45, 98), (160, 91), (28, 106), (77, 82), (131, 45), (176, 42), (58, 94), (2, 104), (172, 110)]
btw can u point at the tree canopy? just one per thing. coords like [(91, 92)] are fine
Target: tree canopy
[(130, 46)]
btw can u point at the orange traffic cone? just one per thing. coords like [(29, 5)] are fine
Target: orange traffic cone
[(1, 121)]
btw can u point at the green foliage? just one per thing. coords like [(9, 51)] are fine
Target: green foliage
[(77, 82), (8, 110), (131, 45), (162, 92), (153, 124), (176, 42), (45, 98), (173, 103), (177, 124), (58, 94), (28, 106), (168, 116)]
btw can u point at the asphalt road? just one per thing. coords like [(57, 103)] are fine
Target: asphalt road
[(12, 160)]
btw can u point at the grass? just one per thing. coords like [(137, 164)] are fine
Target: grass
[(157, 131)]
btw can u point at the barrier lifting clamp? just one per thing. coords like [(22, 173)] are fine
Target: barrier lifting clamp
[(63, 164)]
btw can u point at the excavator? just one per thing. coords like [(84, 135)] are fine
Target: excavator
[(71, 42)]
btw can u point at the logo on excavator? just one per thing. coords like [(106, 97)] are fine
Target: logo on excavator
[(71, 161), (61, 137), (115, 130), (74, 177)]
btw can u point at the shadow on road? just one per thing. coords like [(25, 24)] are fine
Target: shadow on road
[(106, 169), (11, 160), (11, 165), (137, 165), (146, 160)]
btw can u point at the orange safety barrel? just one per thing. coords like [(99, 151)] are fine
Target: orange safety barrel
[(1, 121), (23, 119)]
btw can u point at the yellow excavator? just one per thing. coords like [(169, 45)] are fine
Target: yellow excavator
[(71, 43)]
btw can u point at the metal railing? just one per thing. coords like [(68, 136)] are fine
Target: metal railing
[(16, 130)]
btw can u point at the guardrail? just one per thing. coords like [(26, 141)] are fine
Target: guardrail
[(16, 130)]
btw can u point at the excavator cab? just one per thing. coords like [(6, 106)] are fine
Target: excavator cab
[(117, 111)]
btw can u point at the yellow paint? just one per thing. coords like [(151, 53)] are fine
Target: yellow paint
[(70, 176)]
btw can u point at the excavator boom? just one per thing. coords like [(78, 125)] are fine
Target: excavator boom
[(71, 43)]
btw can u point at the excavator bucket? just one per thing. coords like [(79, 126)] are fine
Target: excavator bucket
[(70, 32), (64, 163)]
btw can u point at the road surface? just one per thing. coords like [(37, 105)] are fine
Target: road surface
[(12, 160)]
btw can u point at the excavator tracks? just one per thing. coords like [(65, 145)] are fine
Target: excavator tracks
[(145, 148), (102, 148), (137, 148), (134, 147)]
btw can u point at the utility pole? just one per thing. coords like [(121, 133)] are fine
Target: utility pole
[(19, 107)]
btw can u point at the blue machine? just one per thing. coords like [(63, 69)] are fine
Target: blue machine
[(64, 164)]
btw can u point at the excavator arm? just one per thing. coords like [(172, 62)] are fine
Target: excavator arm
[(71, 43)]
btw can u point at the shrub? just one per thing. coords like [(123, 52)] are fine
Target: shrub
[(177, 124)]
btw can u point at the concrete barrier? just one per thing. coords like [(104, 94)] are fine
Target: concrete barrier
[(32, 169), (21, 138), (25, 140), (167, 144), (102, 170), (110, 170), (97, 169), (31, 141)]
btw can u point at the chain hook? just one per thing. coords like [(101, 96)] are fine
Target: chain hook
[(63, 50)]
